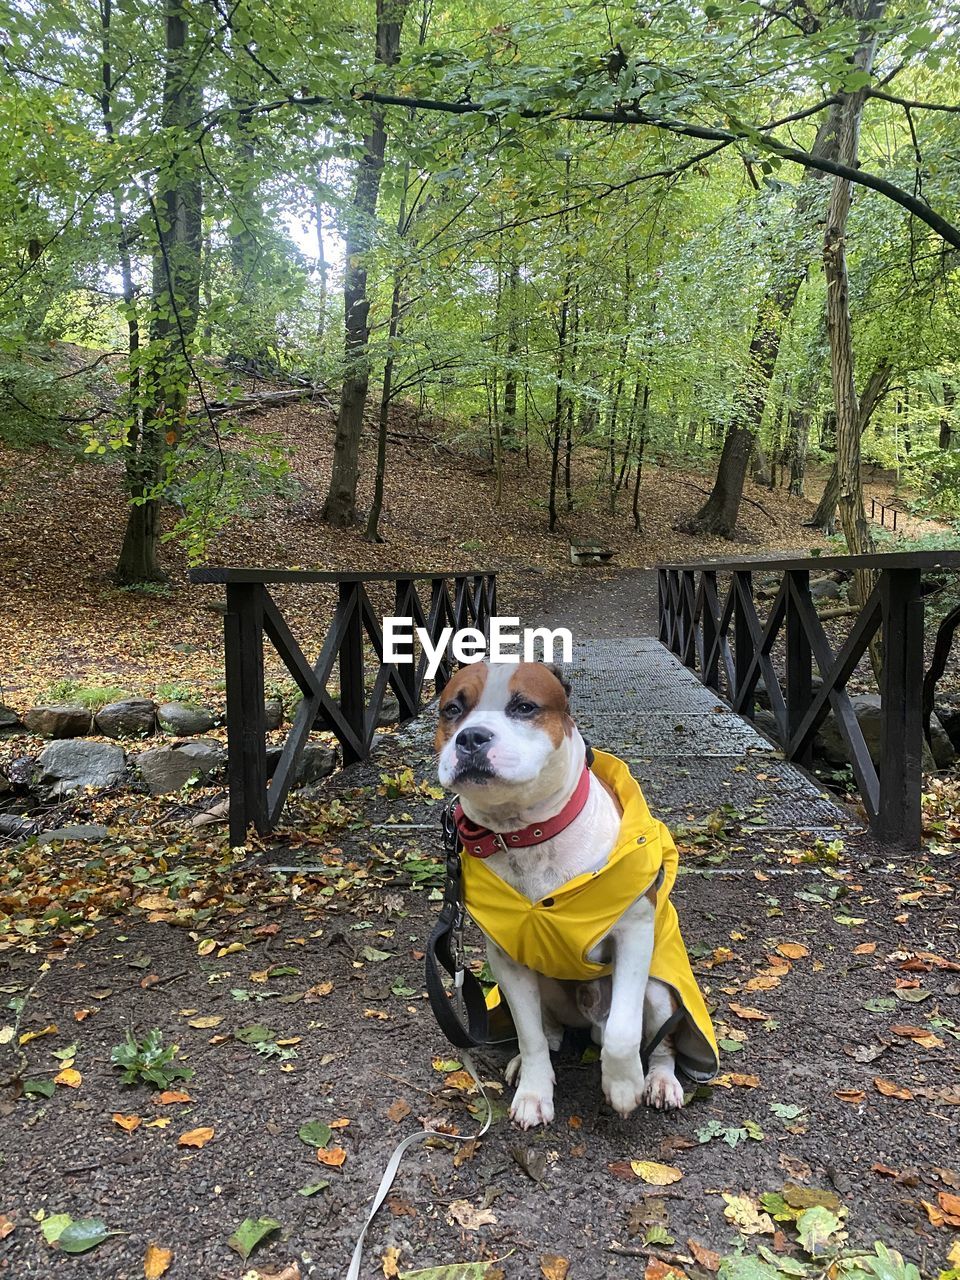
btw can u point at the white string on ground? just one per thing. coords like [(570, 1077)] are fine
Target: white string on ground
[(393, 1164)]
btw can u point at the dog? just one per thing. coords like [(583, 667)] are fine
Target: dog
[(535, 820)]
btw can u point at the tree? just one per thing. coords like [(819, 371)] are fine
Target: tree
[(340, 507)]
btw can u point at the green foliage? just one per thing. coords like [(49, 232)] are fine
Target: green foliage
[(149, 1060), (92, 697)]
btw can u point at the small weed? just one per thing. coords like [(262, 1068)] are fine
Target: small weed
[(90, 697), (177, 693), (148, 1060), (156, 590)]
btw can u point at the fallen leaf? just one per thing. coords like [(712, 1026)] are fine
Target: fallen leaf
[(127, 1123), (170, 1096), (195, 1137), (793, 950), (69, 1077), (461, 1080), (735, 1079), (156, 1261), (205, 1024), (704, 1257), (747, 1013), (762, 982), (850, 1095), (865, 949), (553, 1266), (388, 1263), (342, 1123), (657, 1269), (27, 1036), (80, 1015), (891, 1090), (746, 1217), (469, 1217), (249, 1234), (884, 1171), (398, 1110), (6, 1226), (953, 1254), (315, 1133), (656, 1175), (816, 1227), (456, 1271), (333, 1157)]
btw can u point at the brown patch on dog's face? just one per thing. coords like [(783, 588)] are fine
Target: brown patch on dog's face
[(535, 685), (458, 699)]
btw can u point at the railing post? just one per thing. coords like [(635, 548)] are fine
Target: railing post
[(799, 682), (899, 817), (406, 672), (246, 716), (689, 588), (742, 638), (661, 606), (710, 673), (352, 694)]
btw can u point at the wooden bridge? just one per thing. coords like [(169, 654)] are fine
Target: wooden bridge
[(695, 686)]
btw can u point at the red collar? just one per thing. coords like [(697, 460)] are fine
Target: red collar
[(480, 843)]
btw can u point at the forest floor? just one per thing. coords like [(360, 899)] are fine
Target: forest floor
[(292, 983), (61, 524)]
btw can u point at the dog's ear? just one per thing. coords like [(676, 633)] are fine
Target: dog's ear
[(557, 671)]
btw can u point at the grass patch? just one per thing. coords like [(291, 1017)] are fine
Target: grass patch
[(89, 696)]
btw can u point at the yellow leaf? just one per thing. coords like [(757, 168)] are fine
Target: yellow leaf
[(161, 1122), (462, 1080), (288, 1040), (155, 902), (204, 1024), (793, 950), (891, 1090), (657, 1175), (230, 950), (156, 1261), (195, 1137), (27, 1036), (341, 1123), (206, 947), (750, 1015), (953, 1254), (735, 1078), (763, 982), (127, 1123), (261, 975), (865, 949), (69, 1077), (172, 1095), (553, 1266), (389, 1263), (81, 1014)]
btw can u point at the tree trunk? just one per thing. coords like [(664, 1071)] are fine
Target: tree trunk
[(558, 405), (850, 499), (175, 303), (824, 518), (510, 434), (946, 416), (340, 508), (718, 515)]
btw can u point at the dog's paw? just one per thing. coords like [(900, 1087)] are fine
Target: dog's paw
[(623, 1088), (512, 1070), (530, 1108), (663, 1090)]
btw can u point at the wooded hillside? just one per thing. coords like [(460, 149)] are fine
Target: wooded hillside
[(718, 236)]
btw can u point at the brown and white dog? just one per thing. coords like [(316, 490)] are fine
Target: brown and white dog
[(508, 745)]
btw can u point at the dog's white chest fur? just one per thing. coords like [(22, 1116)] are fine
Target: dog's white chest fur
[(585, 845)]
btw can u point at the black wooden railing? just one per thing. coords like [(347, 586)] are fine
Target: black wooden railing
[(354, 635), (884, 510), (717, 631)]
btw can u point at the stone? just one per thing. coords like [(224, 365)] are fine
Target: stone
[(825, 589), (184, 719), (20, 771), (12, 824), (949, 717), (71, 766), (941, 744), (389, 709), (84, 832), (131, 718), (166, 769), (8, 719), (59, 720), (830, 744), (273, 710), (316, 762)]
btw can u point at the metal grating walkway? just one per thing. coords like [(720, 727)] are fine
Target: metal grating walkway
[(691, 753)]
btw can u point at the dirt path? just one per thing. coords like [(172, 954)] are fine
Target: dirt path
[(831, 969)]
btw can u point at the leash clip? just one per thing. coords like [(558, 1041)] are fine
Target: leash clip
[(451, 838), (457, 953)]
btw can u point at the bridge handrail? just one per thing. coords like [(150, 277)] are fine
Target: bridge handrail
[(723, 638), (458, 600)]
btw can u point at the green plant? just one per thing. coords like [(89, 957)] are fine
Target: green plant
[(176, 693), (149, 1060), (159, 590), (91, 697)]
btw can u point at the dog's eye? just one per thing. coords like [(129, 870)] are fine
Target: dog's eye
[(525, 708), (451, 711)]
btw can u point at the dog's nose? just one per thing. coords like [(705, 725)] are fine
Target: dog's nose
[(471, 740)]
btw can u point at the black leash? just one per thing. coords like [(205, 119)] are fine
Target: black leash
[(445, 950)]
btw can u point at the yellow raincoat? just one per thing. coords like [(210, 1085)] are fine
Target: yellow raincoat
[(555, 935)]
